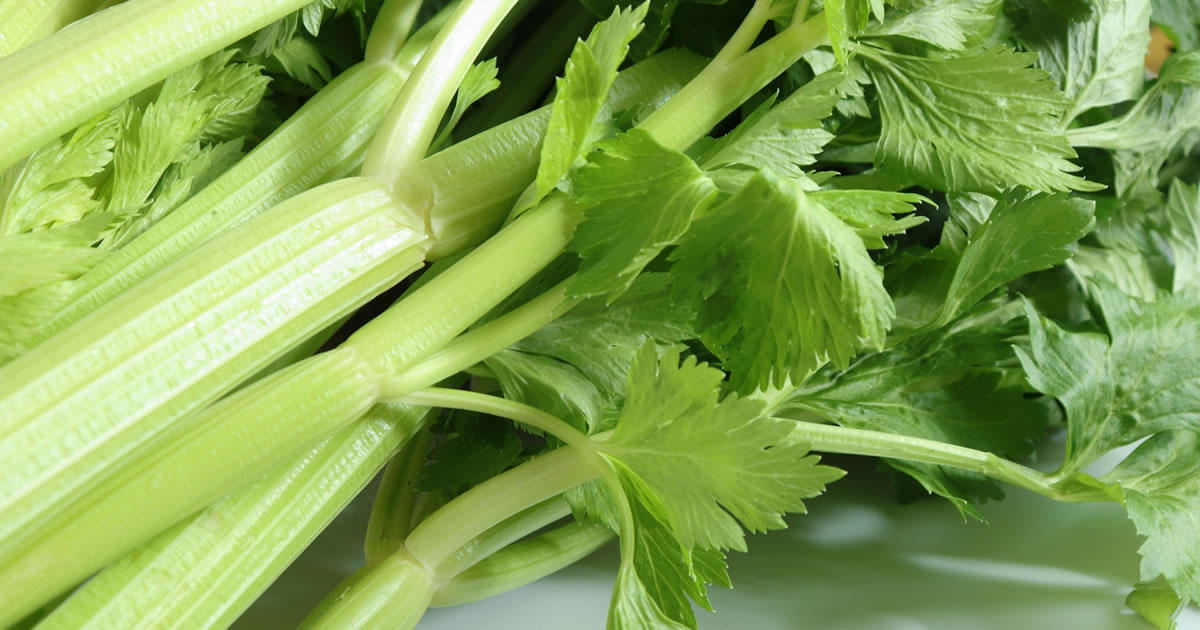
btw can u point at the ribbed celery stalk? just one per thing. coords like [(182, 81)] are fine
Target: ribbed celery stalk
[(23, 22), (202, 573), (55, 85), (324, 140), (249, 433), (66, 415)]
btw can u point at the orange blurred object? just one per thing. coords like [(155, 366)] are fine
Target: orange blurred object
[(1160, 48)]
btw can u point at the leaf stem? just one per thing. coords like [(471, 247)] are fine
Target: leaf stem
[(442, 534), (481, 343), (410, 126), (836, 439), (392, 25)]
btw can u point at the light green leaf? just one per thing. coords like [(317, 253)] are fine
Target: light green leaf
[(1161, 485), (656, 575), (479, 81), (1018, 237), (712, 462), (872, 213), (34, 259), (785, 137), (947, 24), (1180, 20), (1156, 602), (1139, 380), (786, 285), (1098, 59), (1163, 123), (51, 187), (846, 19), (639, 197), (979, 122), (576, 367), (580, 95), (1183, 234)]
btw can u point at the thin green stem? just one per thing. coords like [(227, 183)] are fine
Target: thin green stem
[(743, 38), (523, 562), (411, 124), (800, 12), (478, 344), (471, 514), (391, 513), (503, 534), (392, 26), (723, 86), (492, 405), (835, 439)]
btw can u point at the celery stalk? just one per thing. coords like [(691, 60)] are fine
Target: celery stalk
[(202, 573), (60, 82), (283, 278), (23, 22)]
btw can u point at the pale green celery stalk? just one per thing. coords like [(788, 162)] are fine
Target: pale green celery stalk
[(261, 426), (68, 420), (324, 140), (411, 124), (523, 562), (23, 22), (379, 594), (57, 84), (503, 534), (392, 511), (203, 572)]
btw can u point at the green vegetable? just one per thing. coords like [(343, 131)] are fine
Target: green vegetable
[(935, 233)]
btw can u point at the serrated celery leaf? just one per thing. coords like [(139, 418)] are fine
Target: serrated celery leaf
[(210, 101), (34, 259), (785, 136), (982, 122), (1099, 58), (51, 186), (947, 24), (872, 213), (576, 366), (1138, 380), (639, 197), (936, 387), (655, 580), (462, 461), (580, 96), (714, 463), (786, 285), (1161, 485), (987, 244), (845, 19), (479, 81), (1161, 124)]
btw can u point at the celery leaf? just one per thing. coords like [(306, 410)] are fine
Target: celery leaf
[(639, 197), (786, 285), (720, 465), (947, 24), (1137, 380), (1160, 482), (979, 122), (580, 97), (1162, 124), (1098, 59)]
